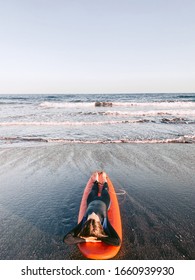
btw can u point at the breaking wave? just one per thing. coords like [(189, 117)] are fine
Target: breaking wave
[(69, 123), (164, 104), (181, 139), (150, 113), (66, 104), (166, 120)]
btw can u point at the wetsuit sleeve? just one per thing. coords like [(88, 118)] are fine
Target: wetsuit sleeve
[(72, 236), (112, 238)]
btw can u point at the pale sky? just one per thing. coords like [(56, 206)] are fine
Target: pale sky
[(97, 46)]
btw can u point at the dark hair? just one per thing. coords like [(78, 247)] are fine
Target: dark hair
[(92, 228)]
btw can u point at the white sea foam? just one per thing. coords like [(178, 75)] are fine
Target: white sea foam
[(91, 118), (68, 123), (180, 139), (66, 104), (101, 123), (151, 113), (164, 104)]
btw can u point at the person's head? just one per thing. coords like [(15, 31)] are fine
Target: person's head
[(92, 228)]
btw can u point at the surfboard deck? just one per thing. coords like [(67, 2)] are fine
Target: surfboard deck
[(100, 250)]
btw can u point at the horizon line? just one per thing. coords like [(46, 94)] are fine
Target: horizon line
[(71, 93)]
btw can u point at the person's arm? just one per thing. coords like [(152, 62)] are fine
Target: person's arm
[(71, 239), (114, 241), (72, 236), (112, 238)]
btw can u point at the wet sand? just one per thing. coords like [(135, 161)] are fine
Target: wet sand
[(41, 188)]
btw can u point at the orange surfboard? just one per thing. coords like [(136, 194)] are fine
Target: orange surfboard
[(100, 250)]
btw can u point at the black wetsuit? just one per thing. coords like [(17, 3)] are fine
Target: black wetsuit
[(98, 205)]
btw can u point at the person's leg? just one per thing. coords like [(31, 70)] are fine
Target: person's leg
[(105, 195), (93, 193)]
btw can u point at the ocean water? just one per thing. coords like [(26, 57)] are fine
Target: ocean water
[(97, 118)]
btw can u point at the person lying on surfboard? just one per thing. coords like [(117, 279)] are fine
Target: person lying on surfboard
[(95, 226)]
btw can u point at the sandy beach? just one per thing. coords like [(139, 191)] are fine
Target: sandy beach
[(41, 188)]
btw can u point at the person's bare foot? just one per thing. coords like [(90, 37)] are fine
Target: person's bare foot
[(104, 177), (95, 177)]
